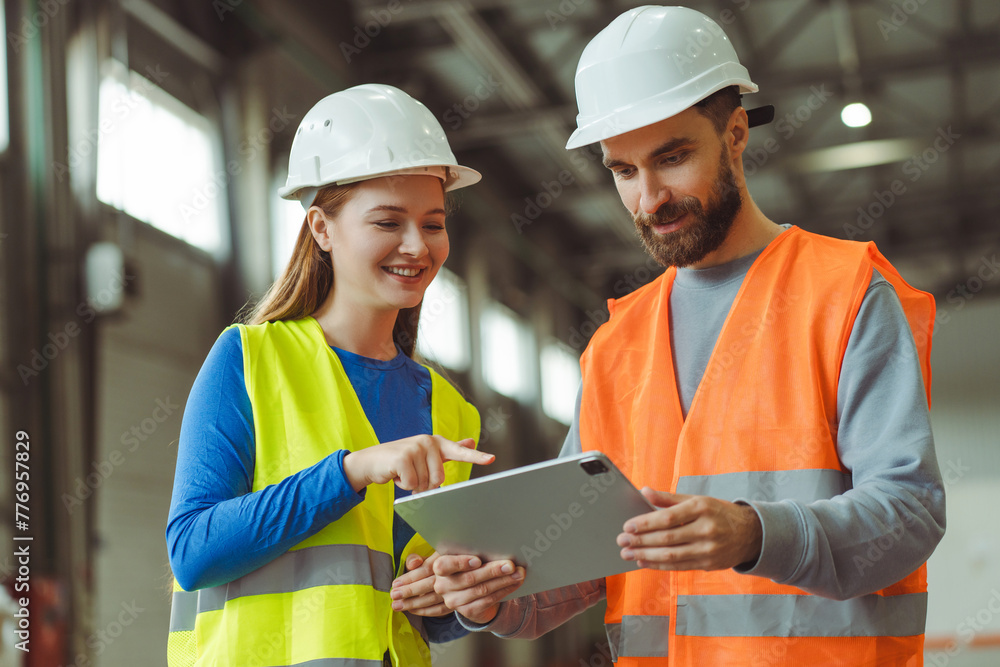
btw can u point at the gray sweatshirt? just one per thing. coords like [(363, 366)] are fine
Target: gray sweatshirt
[(830, 547)]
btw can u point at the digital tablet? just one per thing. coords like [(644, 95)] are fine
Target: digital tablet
[(560, 519)]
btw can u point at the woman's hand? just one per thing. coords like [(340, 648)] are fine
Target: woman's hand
[(473, 588), (414, 591), (414, 464)]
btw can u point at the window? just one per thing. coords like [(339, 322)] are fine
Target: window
[(508, 353), (560, 381), (443, 334), (286, 221), (4, 100), (157, 160)]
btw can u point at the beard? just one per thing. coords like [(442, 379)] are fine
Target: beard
[(704, 233)]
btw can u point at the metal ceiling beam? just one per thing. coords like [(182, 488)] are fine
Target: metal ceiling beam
[(421, 10), (502, 127), (164, 25), (303, 40), (982, 48), (533, 117), (486, 130), (786, 34), (847, 45), (480, 43)]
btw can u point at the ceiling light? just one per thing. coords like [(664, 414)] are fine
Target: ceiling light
[(856, 115), (856, 155)]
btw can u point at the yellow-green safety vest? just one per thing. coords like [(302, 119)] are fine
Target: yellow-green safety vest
[(326, 601)]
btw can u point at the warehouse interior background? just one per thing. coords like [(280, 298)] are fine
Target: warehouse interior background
[(141, 145)]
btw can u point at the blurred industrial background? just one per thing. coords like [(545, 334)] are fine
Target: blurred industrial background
[(141, 145)]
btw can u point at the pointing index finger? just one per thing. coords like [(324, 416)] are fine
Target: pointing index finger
[(456, 452)]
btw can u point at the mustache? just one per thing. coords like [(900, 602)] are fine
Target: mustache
[(667, 212)]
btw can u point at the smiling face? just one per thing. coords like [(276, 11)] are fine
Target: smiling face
[(676, 179), (387, 242)]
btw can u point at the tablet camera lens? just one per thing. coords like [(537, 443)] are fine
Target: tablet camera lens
[(594, 467)]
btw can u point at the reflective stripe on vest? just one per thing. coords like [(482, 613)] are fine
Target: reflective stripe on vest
[(325, 601), (770, 616), (340, 662), (642, 636), (761, 427), (332, 564), (768, 485), (801, 616)]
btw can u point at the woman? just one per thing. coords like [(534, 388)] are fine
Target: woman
[(281, 532)]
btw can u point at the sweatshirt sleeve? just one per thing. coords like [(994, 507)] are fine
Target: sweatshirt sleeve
[(532, 616), (893, 517), (443, 629), (219, 529)]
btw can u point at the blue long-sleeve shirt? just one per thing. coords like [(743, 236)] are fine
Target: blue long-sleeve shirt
[(219, 529)]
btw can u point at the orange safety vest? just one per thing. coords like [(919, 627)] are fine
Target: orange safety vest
[(762, 426)]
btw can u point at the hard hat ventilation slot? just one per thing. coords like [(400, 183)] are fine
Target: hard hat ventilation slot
[(364, 132)]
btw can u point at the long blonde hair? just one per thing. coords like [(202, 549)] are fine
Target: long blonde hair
[(306, 282)]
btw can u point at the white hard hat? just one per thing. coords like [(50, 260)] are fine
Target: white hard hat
[(365, 132), (649, 64)]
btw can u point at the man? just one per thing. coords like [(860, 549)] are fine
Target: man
[(770, 392)]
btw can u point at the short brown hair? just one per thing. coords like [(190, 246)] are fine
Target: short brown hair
[(719, 106)]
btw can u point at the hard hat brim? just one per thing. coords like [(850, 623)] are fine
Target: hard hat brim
[(456, 176), (648, 112)]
